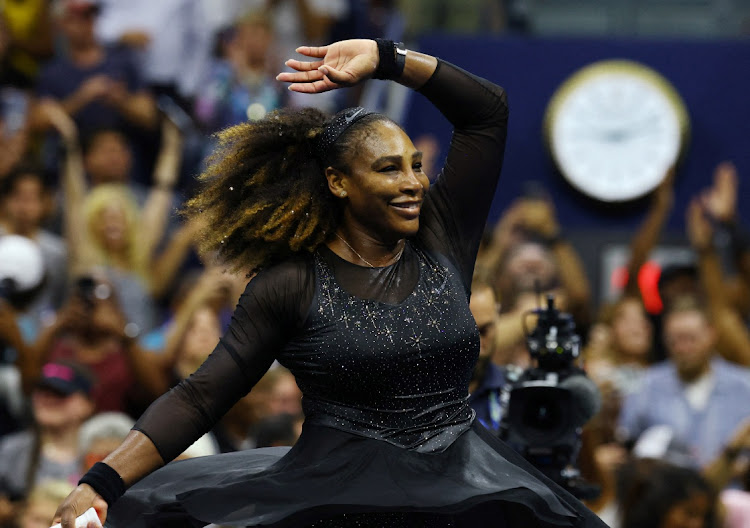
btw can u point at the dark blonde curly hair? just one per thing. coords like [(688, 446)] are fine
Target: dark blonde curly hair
[(263, 195)]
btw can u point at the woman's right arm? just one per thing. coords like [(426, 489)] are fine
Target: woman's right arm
[(273, 303)]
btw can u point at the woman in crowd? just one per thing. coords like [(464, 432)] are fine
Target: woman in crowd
[(362, 294)]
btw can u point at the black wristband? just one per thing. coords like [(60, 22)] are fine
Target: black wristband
[(391, 59), (105, 481)]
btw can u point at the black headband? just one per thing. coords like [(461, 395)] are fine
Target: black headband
[(340, 123)]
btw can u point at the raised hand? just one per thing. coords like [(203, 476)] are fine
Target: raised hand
[(720, 200), (337, 65)]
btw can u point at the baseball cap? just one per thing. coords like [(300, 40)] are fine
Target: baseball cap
[(66, 377)]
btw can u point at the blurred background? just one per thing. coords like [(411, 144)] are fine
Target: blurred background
[(622, 194)]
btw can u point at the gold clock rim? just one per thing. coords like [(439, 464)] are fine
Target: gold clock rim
[(607, 67)]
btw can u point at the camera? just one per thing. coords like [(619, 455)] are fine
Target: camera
[(546, 405)]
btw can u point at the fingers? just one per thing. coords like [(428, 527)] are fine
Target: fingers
[(300, 77), (303, 65), (313, 51)]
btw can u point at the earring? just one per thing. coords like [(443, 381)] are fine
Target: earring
[(342, 193)]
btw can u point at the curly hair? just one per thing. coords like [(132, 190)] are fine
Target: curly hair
[(263, 195)]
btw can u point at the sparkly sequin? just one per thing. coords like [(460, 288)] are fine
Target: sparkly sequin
[(395, 372)]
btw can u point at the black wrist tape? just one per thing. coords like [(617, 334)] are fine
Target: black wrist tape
[(389, 65), (105, 481)]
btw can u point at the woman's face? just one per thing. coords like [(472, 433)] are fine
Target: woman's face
[(689, 513), (112, 227), (201, 337), (385, 186), (55, 410), (631, 330)]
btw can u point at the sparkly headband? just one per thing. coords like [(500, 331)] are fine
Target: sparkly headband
[(340, 123)]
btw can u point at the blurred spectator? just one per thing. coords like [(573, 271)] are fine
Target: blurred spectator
[(309, 20), (488, 380), (106, 228), (623, 359), (42, 503), (25, 203), (733, 335), (99, 87), (96, 85), (25, 29), (100, 435), (526, 259), (169, 37), (92, 330), (61, 402), (528, 250), (656, 494), (700, 396), (14, 107), (242, 86)]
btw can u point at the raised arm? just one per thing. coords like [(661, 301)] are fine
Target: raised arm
[(74, 184), (267, 314), (156, 210)]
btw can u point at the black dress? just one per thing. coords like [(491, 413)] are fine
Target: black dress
[(383, 357)]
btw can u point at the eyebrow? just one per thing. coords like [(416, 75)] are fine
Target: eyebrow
[(395, 159)]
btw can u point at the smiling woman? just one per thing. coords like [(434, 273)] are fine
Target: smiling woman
[(362, 293)]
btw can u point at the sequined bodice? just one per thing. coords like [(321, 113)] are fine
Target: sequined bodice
[(397, 372)]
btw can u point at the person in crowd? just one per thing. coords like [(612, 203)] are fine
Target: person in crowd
[(732, 332), (241, 86), (657, 494), (699, 395), (61, 401), (25, 203), (96, 85), (528, 252), (14, 107), (100, 435), (170, 38), (105, 227), (488, 380), (730, 473), (382, 343), (41, 503), (92, 329)]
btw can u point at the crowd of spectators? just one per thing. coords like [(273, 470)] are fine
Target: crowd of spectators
[(106, 113)]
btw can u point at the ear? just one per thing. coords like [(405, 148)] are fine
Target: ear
[(337, 182)]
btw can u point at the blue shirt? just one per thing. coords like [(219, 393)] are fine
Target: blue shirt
[(661, 401)]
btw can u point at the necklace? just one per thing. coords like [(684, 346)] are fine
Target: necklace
[(363, 259)]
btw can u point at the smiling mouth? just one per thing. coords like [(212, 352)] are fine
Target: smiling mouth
[(409, 209)]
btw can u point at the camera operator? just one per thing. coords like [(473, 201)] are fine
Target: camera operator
[(488, 380), (546, 405)]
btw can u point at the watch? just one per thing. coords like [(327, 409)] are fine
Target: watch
[(614, 128)]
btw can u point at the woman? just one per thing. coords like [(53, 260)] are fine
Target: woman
[(359, 267)]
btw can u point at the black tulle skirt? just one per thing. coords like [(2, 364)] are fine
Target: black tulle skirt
[(332, 478)]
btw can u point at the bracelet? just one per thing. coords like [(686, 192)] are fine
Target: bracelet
[(392, 59), (105, 481)]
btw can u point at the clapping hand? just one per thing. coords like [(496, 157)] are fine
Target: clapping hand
[(338, 65)]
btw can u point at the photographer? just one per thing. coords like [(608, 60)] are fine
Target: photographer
[(92, 329)]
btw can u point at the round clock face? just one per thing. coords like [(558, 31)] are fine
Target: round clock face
[(615, 128)]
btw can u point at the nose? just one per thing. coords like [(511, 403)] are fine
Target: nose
[(411, 183)]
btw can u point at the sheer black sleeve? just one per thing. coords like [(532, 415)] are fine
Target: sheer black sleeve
[(273, 306), (455, 210)]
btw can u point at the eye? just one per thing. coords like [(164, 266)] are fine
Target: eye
[(388, 168), (417, 166)]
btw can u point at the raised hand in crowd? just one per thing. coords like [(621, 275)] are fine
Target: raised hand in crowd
[(733, 341), (733, 461)]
